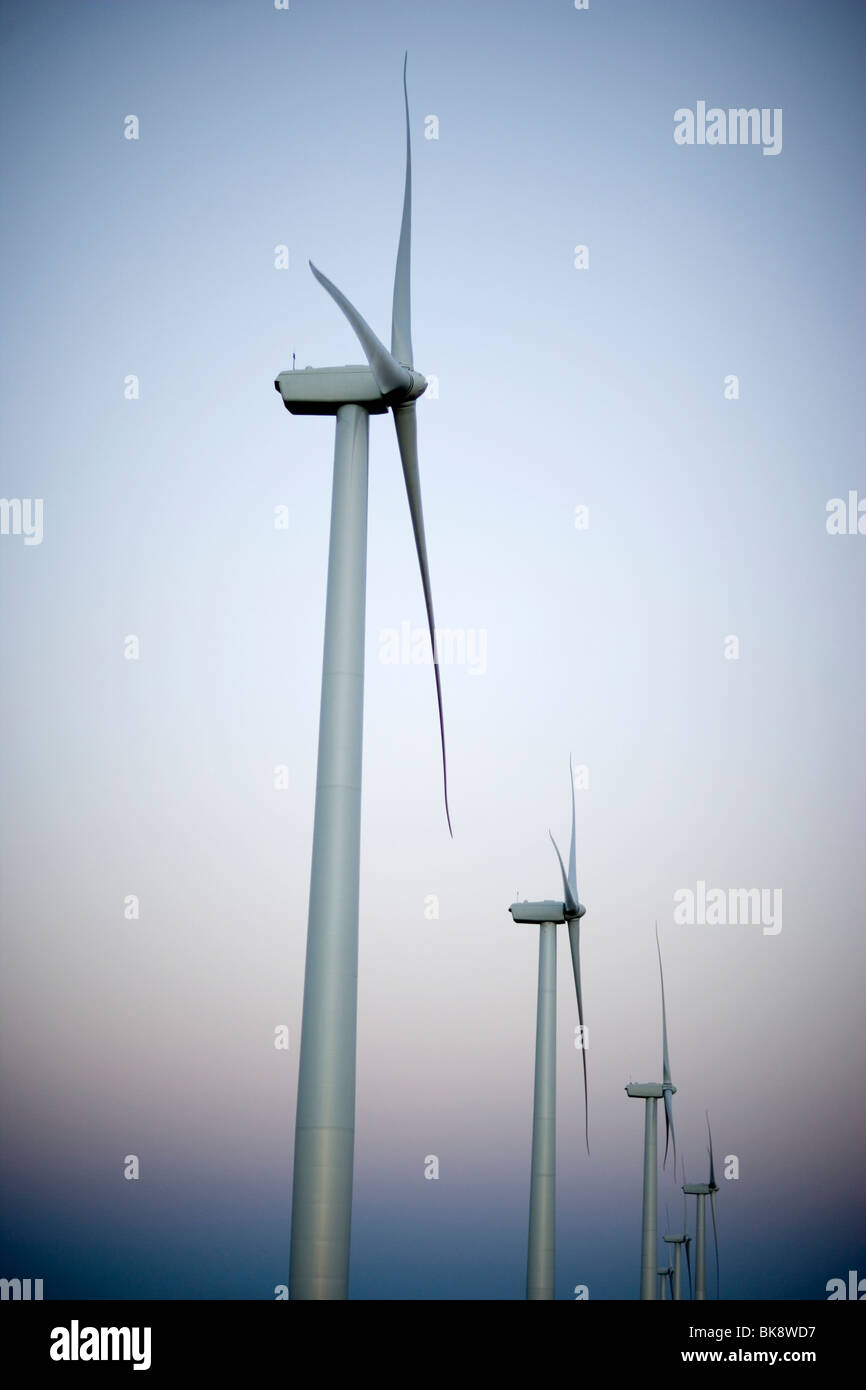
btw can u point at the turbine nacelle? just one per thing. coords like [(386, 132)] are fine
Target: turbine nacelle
[(546, 911), (648, 1090), (322, 390), (537, 913), (699, 1189)]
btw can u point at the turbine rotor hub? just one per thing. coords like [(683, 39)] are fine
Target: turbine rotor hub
[(417, 384)]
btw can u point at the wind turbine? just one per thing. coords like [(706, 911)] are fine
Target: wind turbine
[(651, 1092), (680, 1243), (547, 915), (676, 1273), (325, 1121), (666, 1276), (702, 1190)]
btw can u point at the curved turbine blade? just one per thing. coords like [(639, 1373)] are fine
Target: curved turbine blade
[(688, 1240), (666, 1067), (710, 1151), (574, 942), (570, 903), (685, 1199), (670, 1136), (666, 1064), (401, 314), (388, 374), (713, 1190), (572, 860), (407, 440)]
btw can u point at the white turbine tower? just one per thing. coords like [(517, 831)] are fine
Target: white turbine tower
[(701, 1191), (651, 1092), (547, 915), (325, 1122)]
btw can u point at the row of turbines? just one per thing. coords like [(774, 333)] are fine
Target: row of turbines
[(325, 1118), (655, 1280)]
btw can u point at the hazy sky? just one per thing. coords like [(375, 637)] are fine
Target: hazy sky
[(558, 388)]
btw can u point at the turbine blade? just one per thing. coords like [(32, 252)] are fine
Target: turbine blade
[(570, 902), (574, 943), (407, 440), (666, 1066), (572, 858), (685, 1201), (669, 1129), (401, 315), (569, 890), (688, 1243), (388, 374), (715, 1238), (710, 1149)]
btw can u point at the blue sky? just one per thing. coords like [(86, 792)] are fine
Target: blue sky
[(559, 388)]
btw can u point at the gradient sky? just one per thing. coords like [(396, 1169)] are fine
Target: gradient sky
[(558, 388)]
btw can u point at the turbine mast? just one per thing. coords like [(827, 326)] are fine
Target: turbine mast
[(325, 1121), (540, 1267), (701, 1249)]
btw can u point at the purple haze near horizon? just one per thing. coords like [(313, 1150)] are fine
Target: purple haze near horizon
[(559, 388)]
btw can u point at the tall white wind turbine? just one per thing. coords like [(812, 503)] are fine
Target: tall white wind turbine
[(651, 1092), (547, 915), (325, 1121), (701, 1191)]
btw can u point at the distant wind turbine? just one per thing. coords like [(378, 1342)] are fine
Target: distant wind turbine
[(547, 915), (665, 1274), (702, 1190), (651, 1092), (676, 1278), (325, 1123), (680, 1242)]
